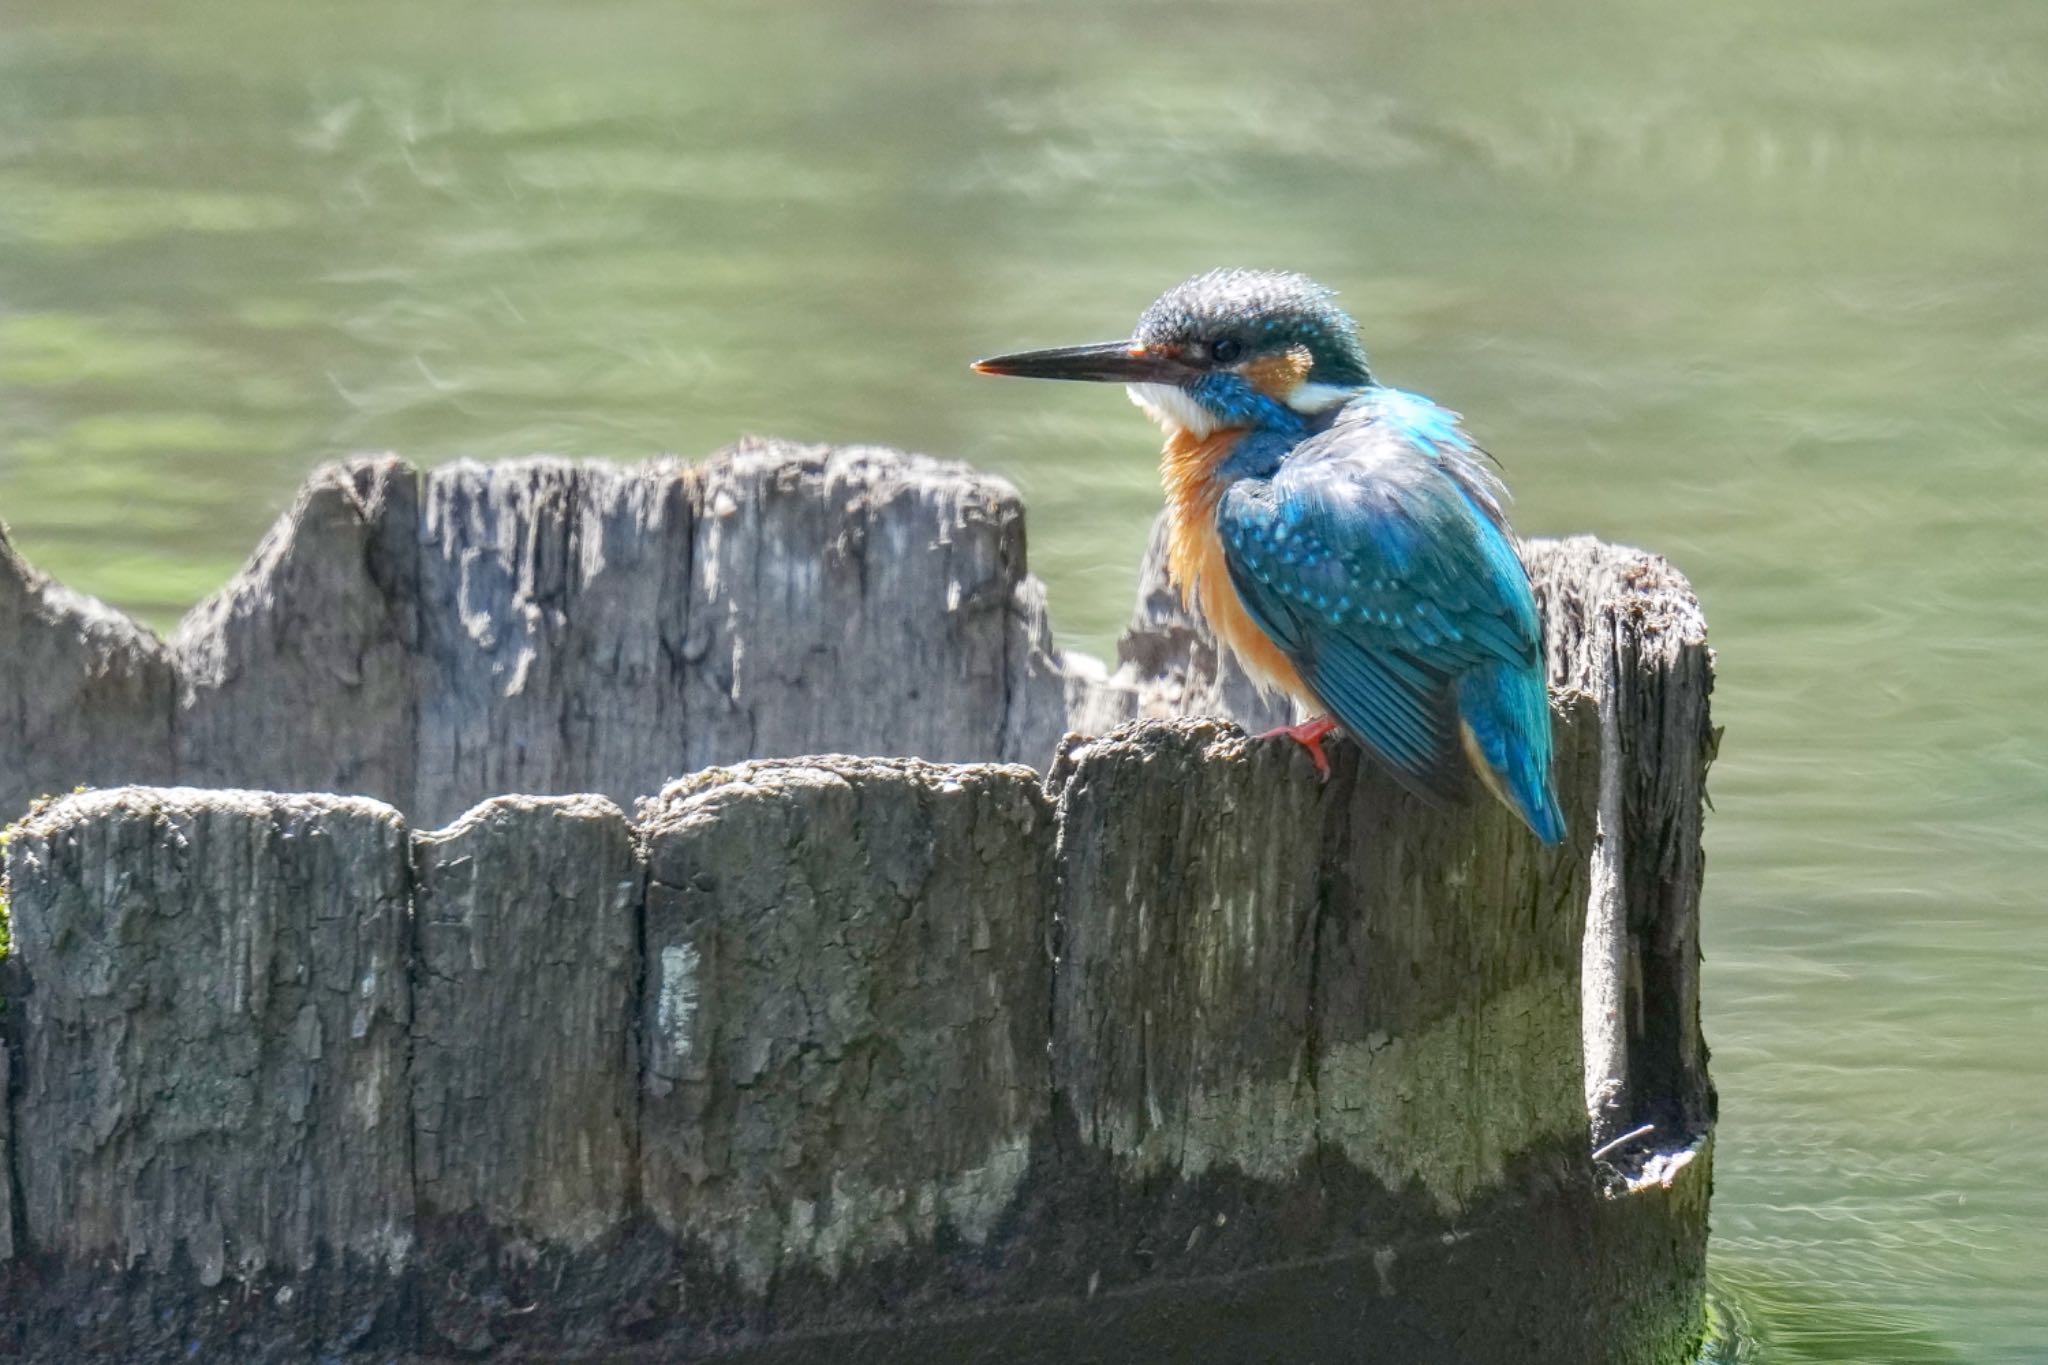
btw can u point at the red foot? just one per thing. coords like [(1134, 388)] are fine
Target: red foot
[(1309, 735)]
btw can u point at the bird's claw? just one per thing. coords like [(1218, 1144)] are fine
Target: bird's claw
[(1309, 735)]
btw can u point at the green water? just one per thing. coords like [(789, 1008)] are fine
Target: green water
[(1763, 287)]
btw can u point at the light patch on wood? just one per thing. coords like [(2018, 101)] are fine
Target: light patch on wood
[(676, 1009), (1402, 1108), (861, 1220)]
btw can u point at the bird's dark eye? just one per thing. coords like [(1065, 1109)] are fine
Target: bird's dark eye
[(1223, 350)]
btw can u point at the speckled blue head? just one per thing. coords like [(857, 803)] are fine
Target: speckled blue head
[(1255, 314), (1258, 349)]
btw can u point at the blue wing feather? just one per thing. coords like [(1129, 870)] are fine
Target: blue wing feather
[(1377, 557)]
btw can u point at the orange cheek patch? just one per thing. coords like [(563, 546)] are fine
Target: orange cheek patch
[(1277, 376)]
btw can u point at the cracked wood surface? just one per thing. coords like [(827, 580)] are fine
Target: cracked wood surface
[(819, 1058), (913, 1040), (1620, 626), (86, 695), (526, 920), (845, 1018), (1257, 964), (436, 639), (214, 1032), (7, 1167)]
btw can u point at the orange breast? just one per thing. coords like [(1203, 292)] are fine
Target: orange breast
[(1195, 557)]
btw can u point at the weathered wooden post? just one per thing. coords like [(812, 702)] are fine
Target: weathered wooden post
[(844, 1020), (1175, 1053), (524, 1068), (547, 627), (86, 695), (1336, 968), (1621, 627), (526, 926), (214, 1042), (6, 1161)]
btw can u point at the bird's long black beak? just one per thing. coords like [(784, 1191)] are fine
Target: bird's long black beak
[(1108, 362)]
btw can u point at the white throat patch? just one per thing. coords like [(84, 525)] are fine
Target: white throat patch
[(1170, 406)]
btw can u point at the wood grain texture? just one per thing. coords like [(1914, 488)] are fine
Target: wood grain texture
[(299, 675), (1621, 626), (86, 695), (526, 976), (1257, 965), (1182, 1054), (553, 602), (845, 1007), (915, 1041), (853, 600), (7, 1213), (551, 627), (1624, 627), (213, 1030)]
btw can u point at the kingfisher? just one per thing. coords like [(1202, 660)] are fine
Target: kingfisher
[(1344, 539)]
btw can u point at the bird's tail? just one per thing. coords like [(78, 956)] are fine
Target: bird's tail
[(1504, 714)]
